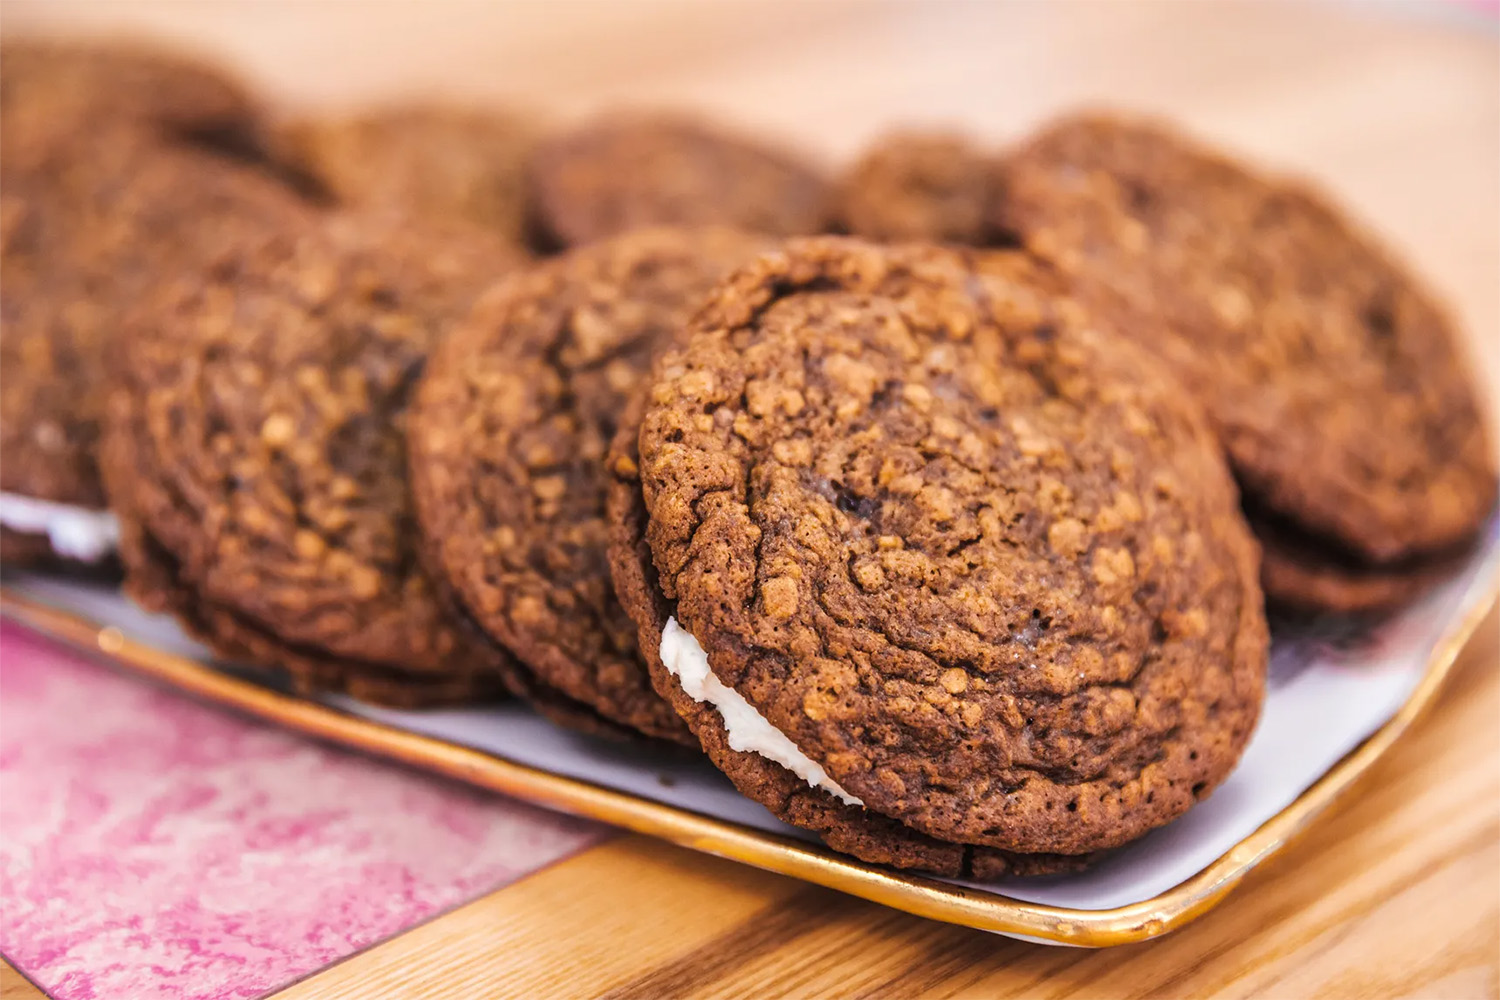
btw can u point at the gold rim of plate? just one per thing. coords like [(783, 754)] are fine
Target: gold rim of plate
[(915, 894)]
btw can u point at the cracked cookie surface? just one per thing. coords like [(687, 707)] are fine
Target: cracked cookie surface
[(968, 551), (509, 433), (256, 452), (849, 829), (1334, 380)]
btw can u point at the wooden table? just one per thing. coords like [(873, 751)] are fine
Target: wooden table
[(1396, 107), (1396, 893)]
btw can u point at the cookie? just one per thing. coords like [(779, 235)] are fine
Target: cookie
[(1333, 378), (509, 432), (84, 229), (451, 164), (627, 171), (1304, 574), (255, 453), (932, 186), (851, 830), (50, 332), (958, 557), (52, 90), (52, 507)]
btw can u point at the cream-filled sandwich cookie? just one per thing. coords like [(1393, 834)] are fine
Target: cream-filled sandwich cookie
[(971, 557)]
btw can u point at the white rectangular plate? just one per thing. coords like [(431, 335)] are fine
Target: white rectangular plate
[(1331, 686)]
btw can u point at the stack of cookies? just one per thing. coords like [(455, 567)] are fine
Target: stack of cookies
[(933, 502)]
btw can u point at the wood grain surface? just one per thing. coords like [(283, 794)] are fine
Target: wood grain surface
[(1394, 106), (14, 986), (1396, 893)]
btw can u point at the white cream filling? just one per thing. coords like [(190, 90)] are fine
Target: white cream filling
[(74, 532), (748, 730)]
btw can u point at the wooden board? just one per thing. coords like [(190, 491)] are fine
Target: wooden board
[(1396, 894), (14, 986)]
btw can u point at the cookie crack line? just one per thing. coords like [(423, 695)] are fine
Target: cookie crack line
[(974, 673)]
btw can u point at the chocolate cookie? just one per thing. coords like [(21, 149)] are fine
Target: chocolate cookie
[(1305, 574), (956, 556), (628, 171), (53, 90), (849, 829), (508, 438), (255, 453), (933, 186), (50, 330), (51, 502), (85, 228), (451, 164), (1334, 380)]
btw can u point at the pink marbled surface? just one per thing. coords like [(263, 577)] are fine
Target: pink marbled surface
[(151, 846)]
